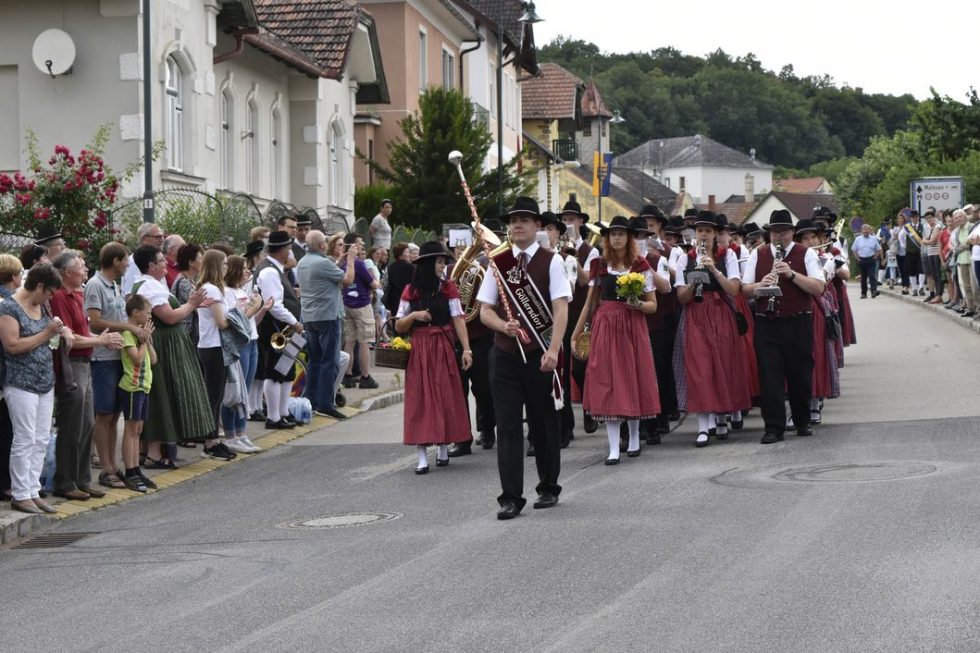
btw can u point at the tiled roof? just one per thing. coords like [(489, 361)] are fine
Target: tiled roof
[(551, 95), (800, 204), (804, 185), (320, 29), (736, 212), (592, 103), (517, 36), (625, 188), (689, 151)]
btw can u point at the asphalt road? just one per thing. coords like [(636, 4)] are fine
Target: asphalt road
[(862, 538)]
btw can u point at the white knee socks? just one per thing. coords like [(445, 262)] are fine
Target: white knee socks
[(612, 432), (271, 391), (284, 391), (423, 458), (634, 427), (705, 422), (255, 397)]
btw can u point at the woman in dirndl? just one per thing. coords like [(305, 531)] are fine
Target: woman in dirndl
[(725, 241), (430, 310), (826, 369), (710, 361), (179, 410), (622, 381)]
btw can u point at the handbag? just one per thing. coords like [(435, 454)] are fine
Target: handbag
[(740, 322)]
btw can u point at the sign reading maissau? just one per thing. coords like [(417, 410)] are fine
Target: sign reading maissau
[(937, 192)]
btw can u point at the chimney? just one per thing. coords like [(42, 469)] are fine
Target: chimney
[(752, 154), (749, 188), (711, 203)]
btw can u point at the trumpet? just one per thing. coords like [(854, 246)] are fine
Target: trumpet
[(280, 339)]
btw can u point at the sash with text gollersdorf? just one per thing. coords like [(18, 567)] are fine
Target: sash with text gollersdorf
[(529, 295)]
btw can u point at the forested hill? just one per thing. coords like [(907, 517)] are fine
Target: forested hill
[(791, 121)]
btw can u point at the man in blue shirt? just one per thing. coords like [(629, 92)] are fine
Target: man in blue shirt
[(868, 250), (322, 309)]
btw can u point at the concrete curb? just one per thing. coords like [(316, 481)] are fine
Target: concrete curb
[(15, 526), (966, 322)]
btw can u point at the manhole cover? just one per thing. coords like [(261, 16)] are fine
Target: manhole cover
[(854, 473), (342, 520)]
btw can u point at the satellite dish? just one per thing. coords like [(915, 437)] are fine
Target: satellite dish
[(54, 52)]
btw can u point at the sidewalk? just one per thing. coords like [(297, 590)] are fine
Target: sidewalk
[(896, 292), (16, 525)]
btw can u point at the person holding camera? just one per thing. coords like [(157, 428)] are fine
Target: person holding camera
[(711, 369)]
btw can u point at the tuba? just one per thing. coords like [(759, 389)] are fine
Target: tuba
[(468, 274), (595, 233)]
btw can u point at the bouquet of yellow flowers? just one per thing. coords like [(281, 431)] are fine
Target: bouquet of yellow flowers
[(629, 286), (401, 343)]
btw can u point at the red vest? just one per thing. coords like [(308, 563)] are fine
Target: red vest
[(539, 270), (666, 304), (795, 299)]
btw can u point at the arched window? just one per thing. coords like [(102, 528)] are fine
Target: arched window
[(276, 154), (174, 115), (251, 148), (227, 140), (335, 168)]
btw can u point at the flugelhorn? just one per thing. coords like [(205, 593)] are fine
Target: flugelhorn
[(279, 339), (456, 158)]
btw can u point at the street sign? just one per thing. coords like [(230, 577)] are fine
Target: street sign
[(937, 192), (602, 172)]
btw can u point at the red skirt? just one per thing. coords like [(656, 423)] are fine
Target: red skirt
[(621, 382), (821, 365), (435, 411), (846, 314), (716, 368)]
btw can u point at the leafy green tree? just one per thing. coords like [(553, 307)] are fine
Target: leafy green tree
[(426, 185), (949, 128)]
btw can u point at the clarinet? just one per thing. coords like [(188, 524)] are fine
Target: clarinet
[(780, 254), (699, 282)]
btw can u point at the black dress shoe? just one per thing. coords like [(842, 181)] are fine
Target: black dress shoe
[(612, 461), (771, 437), (591, 425), (804, 431), (530, 450), (422, 470), (633, 454), (508, 511), (566, 439), (546, 501), (289, 418), (280, 425), (487, 441), (737, 425), (442, 462), (653, 438), (459, 449), (674, 416), (257, 416), (332, 413)]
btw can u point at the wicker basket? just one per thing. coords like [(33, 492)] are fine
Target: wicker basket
[(388, 357)]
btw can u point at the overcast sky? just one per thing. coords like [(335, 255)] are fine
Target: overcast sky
[(880, 46)]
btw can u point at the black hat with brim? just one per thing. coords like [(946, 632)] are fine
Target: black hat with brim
[(805, 226), (780, 219), (547, 217), (750, 229), (619, 222), (707, 219), (254, 248), (675, 225), (46, 234), (278, 239), (574, 208), (651, 211), (524, 206), (639, 225), (691, 214), (494, 225), (433, 249)]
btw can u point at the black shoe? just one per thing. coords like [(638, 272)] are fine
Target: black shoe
[(458, 449), (367, 383), (442, 462), (348, 381), (146, 481), (633, 454), (970, 314), (864, 296), (804, 431), (487, 440), (218, 452), (332, 412), (530, 450), (280, 425), (702, 442), (815, 417), (905, 291), (591, 425), (875, 294), (674, 416), (612, 461), (653, 438), (663, 429), (508, 511), (737, 425), (422, 470), (289, 418), (257, 416), (546, 501), (566, 439), (135, 483), (771, 437)]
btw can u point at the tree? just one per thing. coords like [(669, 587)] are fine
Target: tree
[(427, 186)]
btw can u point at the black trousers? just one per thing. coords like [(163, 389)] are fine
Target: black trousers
[(784, 351), (572, 368), (903, 270), (913, 264), (213, 370), (662, 343), (868, 273), (477, 378), (517, 386)]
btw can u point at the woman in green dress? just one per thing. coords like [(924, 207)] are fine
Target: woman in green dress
[(179, 408)]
